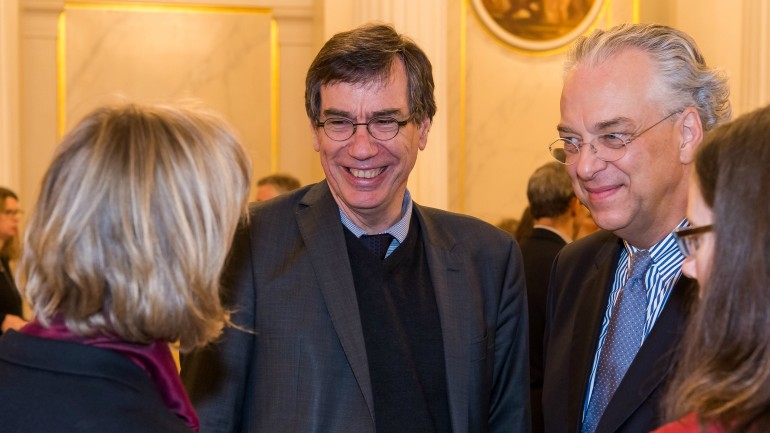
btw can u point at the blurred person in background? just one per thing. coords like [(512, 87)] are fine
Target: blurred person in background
[(508, 224), (122, 256), (11, 316), (584, 223), (526, 223), (275, 185), (555, 210)]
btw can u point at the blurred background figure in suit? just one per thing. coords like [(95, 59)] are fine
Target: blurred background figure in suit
[(276, 184), (11, 316), (723, 378), (554, 210), (122, 255)]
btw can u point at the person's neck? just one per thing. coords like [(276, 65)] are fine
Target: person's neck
[(562, 225), (375, 220)]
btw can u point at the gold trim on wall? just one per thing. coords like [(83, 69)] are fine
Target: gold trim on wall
[(61, 76), (275, 97), (463, 100)]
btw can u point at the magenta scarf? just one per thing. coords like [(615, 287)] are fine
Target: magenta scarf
[(154, 358)]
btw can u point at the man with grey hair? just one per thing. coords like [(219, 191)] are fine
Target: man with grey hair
[(635, 104), (555, 210)]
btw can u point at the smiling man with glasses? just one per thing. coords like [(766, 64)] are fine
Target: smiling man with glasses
[(369, 312), (635, 104)]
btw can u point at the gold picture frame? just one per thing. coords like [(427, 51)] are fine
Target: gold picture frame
[(537, 25)]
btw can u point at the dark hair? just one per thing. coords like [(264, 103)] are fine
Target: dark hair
[(281, 182), (724, 372), (682, 69), (10, 248), (526, 225), (365, 55), (549, 191)]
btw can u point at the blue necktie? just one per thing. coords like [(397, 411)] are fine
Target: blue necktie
[(624, 336), (377, 244)]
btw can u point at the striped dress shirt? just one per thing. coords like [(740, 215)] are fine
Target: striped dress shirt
[(660, 279)]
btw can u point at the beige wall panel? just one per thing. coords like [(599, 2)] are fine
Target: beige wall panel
[(296, 51), (38, 94), (221, 58), (9, 95)]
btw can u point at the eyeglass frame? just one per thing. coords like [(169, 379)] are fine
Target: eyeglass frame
[(400, 123), (11, 212), (595, 150), (688, 248)]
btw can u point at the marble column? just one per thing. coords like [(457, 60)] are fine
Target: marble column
[(39, 120), (755, 55)]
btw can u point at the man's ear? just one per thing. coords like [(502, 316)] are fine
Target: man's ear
[(314, 132), (692, 135), (424, 129)]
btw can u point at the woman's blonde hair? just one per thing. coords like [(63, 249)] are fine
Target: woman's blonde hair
[(132, 227)]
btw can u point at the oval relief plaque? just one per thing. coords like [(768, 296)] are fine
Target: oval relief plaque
[(537, 25)]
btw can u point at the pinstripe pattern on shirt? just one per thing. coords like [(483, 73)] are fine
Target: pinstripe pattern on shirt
[(659, 279)]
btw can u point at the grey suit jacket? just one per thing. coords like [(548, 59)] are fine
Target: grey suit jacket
[(304, 366), (579, 290)]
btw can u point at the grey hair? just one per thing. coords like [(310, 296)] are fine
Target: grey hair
[(682, 68)]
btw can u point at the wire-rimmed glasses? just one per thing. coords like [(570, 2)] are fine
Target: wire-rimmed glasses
[(607, 147), (381, 128)]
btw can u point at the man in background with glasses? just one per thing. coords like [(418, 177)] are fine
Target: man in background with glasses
[(358, 309), (635, 104)]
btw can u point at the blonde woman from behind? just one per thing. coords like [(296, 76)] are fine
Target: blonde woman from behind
[(123, 253)]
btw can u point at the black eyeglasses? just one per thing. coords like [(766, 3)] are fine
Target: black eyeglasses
[(381, 128), (607, 147), (688, 239)]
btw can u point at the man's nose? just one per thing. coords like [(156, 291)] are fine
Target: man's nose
[(363, 146)]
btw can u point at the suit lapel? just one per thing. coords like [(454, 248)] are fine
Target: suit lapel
[(588, 322), (322, 231), (450, 285), (654, 360)]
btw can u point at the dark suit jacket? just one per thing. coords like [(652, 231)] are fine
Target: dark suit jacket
[(539, 250), (55, 386), (304, 368), (10, 299), (578, 294)]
